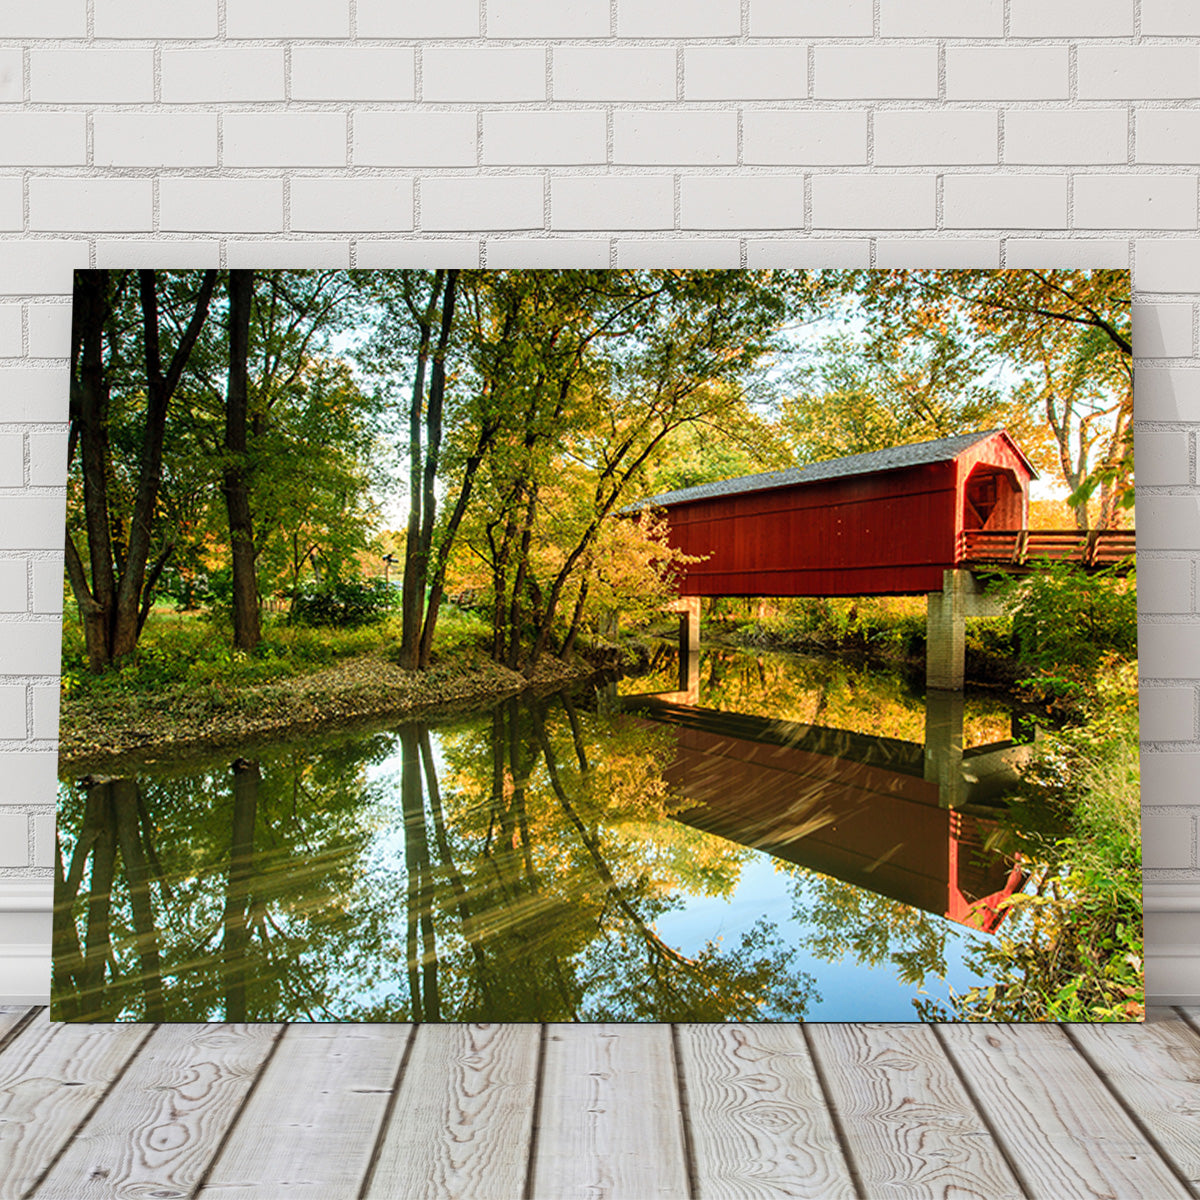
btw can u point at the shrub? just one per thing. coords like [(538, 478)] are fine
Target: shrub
[(345, 604)]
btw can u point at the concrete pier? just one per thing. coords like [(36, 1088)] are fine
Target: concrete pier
[(946, 616)]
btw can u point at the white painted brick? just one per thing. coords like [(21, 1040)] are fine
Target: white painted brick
[(603, 73), (284, 139), (417, 139), (12, 460), (220, 76), (879, 72), (1012, 202), (1135, 72), (155, 19), (488, 74), (612, 202), (40, 268), (287, 18), (31, 522), (732, 202), (1169, 523), (13, 585), (49, 330), (43, 139), (560, 138), (1168, 841), (14, 840), (12, 76), (173, 253), (810, 18), (1162, 458), (27, 776), (277, 255), (334, 205), (100, 76), (1066, 252), (33, 394), (1167, 714), (12, 711), (551, 252), (11, 204), (1167, 266), (220, 205), (671, 136), (745, 73), (873, 201), (1167, 135), (48, 459), (45, 710), (688, 253), (937, 252), (1135, 201), (30, 647), (43, 840), (956, 135), (142, 139), (1006, 73), (353, 73), (491, 202), (47, 19), (418, 252), (1162, 330), (90, 203), (1170, 18), (1072, 18), (941, 18), (1166, 393), (11, 342), (418, 19), (696, 19), (547, 18), (1164, 585), (808, 252), (47, 585), (787, 137), (1039, 135)]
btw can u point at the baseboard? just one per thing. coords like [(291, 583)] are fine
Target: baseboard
[(24, 974)]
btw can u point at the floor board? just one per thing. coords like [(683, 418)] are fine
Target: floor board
[(643, 1112)]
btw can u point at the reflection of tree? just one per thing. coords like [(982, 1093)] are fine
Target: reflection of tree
[(845, 919)]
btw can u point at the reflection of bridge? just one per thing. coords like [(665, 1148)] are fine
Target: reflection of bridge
[(897, 818), (910, 520)]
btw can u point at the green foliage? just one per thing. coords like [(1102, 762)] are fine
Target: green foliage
[(346, 604)]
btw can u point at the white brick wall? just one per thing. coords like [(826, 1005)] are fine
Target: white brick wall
[(587, 133)]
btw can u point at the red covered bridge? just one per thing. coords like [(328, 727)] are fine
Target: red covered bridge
[(903, 521)]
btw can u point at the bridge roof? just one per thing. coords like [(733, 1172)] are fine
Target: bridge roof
[(874, 462)]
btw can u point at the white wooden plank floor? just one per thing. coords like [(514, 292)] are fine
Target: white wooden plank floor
[(602, 1112)]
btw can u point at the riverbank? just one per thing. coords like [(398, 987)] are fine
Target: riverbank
[(96, 729)]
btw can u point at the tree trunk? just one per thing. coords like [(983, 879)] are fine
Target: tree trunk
[(235, 481)]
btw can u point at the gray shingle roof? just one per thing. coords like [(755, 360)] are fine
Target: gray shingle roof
[(892, 459)]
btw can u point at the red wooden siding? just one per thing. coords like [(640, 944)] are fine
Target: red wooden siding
[(887, 533)]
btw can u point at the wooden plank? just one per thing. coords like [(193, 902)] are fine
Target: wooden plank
[(610, 1119), (758, 1121), (51, 1076), (1155, 1069), (310, 1127), (463, 1116), (1060, 1126), (12, 1017), (158, 1129), (910, 1126)]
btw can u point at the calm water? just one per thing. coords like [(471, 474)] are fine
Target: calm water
[(553, 859)]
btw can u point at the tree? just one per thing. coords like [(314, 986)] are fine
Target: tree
[(115, 590)]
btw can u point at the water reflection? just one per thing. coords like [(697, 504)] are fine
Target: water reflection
[(547, 860)]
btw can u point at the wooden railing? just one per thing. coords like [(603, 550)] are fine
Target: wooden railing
[(1094, 548)]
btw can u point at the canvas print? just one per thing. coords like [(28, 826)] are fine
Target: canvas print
[(627, 645)]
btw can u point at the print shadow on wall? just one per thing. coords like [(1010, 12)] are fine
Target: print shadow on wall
[(599, 645)]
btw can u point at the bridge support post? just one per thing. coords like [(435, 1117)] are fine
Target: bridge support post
[(946, 614), (944, 745), (688, 608)]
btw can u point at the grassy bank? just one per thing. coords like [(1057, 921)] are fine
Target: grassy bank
[(187, 688)]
